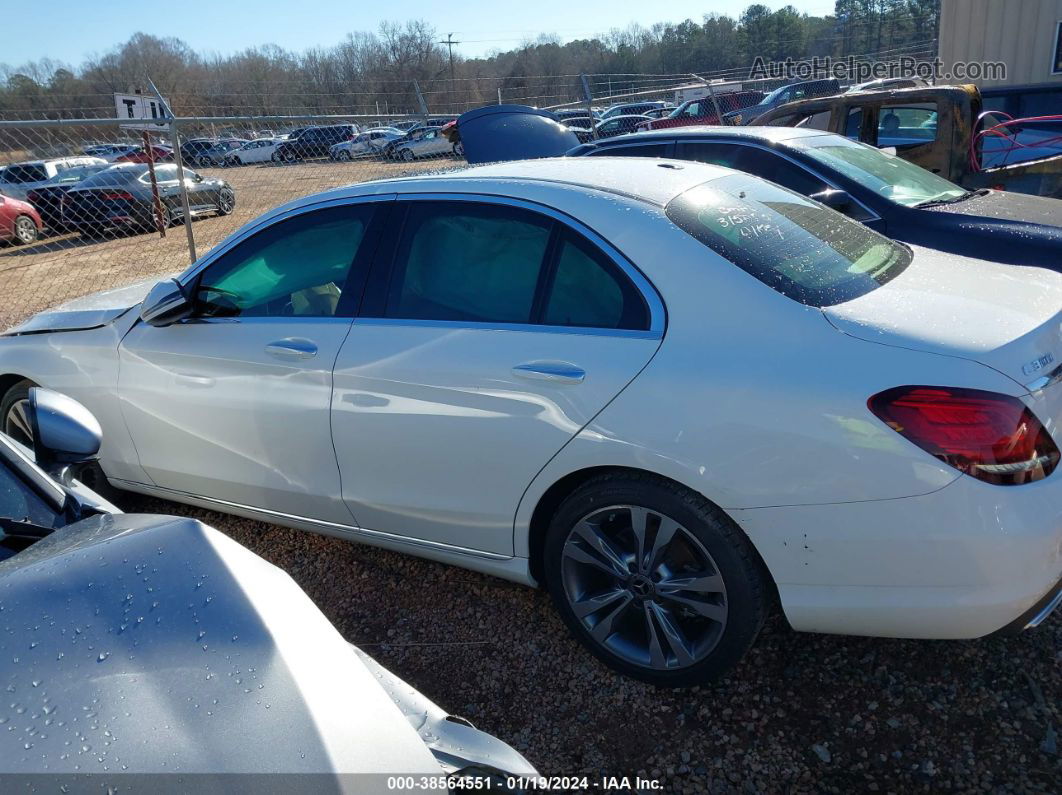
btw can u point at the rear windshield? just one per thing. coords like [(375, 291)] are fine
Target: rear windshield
[(803, 250)]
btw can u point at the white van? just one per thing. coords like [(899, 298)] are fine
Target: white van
[(18, 179)]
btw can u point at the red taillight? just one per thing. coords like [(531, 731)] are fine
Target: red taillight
[(119, 195), (992, 437)]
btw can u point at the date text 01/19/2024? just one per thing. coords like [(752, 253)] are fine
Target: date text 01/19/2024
[(523, 783)]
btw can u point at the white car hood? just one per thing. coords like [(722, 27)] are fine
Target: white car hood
[(90, 311), (1007, 317), (154, 644)]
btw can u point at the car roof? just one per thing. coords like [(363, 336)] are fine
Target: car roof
[(765, 133), (658, 181)]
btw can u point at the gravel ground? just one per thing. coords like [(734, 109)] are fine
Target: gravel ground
[(802, 713)]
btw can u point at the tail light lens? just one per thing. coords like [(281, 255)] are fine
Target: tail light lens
[(992, 437), (119, 195)]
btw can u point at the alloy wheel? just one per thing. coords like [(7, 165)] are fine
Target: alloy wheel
[(644, 587), (17, 423), (25, 229)]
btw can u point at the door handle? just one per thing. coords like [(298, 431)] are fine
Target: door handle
[(557, 372), (292, 348)]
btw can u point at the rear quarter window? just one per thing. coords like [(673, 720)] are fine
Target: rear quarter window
[(803, 250)]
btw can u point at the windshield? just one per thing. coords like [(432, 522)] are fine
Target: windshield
[(796, 246), (888, 175), (767, 100)]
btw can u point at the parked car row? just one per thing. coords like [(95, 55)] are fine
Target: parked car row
[(93, 197)]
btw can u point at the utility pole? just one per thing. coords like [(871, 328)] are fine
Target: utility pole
[(450, 47)]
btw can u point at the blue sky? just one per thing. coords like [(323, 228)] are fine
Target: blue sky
[(75, 29)]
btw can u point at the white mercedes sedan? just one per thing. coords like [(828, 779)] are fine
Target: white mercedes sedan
[(671, 393)]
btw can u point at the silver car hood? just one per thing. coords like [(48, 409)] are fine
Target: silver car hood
[(151, 644), (90, 311)]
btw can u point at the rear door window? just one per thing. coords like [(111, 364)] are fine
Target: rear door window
[(661, 149), (908, 125), (753, 160), (801, 249), (468, 262), (587, 289)]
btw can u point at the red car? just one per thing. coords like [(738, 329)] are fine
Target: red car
[(702, 111), (19, 222), (162, 154)]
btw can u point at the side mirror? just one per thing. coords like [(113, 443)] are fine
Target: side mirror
[(197, 178), (837, 199), (64, 431), (165, 304)]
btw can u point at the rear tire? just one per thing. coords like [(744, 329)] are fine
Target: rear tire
[(679, 607), (343, 155), (407, 155)]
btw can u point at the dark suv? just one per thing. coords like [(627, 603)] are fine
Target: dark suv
[(314, 142)]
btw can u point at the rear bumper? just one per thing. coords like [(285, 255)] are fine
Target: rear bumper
[(1035, 615), (966, 561)]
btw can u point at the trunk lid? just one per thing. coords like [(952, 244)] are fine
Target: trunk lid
[(1007, 317)]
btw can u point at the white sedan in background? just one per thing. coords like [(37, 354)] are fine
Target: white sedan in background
[(370, 142), (667, 391), (260, 150), (425, 143)]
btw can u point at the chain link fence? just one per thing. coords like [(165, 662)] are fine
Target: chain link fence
[(94, 203)]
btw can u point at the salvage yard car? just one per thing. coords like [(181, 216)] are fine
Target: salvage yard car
[(192, 655), (121, 198), (19, 221), (665, 390), (883, 191), (18, 179)]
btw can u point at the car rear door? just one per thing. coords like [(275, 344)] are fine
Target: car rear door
[(233, 403), (492, 332)]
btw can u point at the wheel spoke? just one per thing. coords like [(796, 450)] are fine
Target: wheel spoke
[(592, 535), (664, 535), (18, 421), (671, 634), (604, 628), (708, 583), (639, 520), (706, 609), (575, 552), (656, 651), (592, 604)]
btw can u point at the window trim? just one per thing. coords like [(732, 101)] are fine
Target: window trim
[(383, 267), (1056, 51)]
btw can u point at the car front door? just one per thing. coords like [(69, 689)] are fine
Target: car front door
[(492, 332), (233, 403)]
